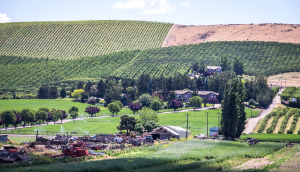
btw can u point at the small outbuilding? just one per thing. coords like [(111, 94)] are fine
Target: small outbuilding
[(3, 138), (213, 130), (168, 132)]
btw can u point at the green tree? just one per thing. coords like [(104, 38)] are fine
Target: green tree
[(56, 115), (147, 114), (80, 85), (63, 93), (8, 118), (73, 114), (101, 87), (195, 101), (139, 127), (145, 100), (238, 66), (172, 96), (44, 109), (43, 92), (241, 120), (88, 87), (27, 115), (40, 116), (108, 99), (73, 109), (233, 110), (150, 125), (114, 107), (127, 123), (156, 105), (142, 84), (53, 93), (224, 63), (77, 93)]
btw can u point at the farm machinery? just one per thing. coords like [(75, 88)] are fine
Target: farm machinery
[(10, 154), (252, 141)]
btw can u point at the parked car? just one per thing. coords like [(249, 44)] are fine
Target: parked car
[(200, 136)]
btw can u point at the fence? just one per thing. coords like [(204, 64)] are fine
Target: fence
[(46, 133)]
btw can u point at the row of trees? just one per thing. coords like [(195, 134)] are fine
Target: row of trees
[(26, 116)]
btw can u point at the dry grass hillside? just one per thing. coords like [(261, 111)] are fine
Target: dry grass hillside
[(288, 79), (183, 35)]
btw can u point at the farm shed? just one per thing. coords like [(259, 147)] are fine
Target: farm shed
[(167, 132), (213, 130), (3, 138)]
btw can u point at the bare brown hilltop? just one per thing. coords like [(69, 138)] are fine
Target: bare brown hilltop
[(183, 34)]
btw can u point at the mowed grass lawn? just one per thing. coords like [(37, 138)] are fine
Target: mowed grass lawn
[(197, 123), (273, 137), (35, 104)]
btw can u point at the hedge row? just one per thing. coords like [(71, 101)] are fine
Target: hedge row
[(285, 120), (293, 126), (277, 114), (265, 121)]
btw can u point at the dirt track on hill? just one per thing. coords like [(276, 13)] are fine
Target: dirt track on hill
[(184, 35)]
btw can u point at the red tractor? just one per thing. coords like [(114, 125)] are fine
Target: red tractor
[(74, 151)]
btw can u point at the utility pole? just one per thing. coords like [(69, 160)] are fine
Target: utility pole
[(281, 81), (218, 120), (285, 82), (207, 126), (187, 125)]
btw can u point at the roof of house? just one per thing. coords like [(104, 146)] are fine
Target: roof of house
[(164, 130), (204, 93), (181, 91), (213, 67)]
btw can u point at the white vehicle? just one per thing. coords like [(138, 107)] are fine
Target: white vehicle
[(200, 136)]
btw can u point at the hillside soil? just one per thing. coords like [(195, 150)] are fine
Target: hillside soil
[(297, 126), (253, 121), (278, 125), (184, 35), (288, 79), (254, 164), (289, 123), (268, 124)]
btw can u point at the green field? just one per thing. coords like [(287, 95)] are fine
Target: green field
[(274, 137), (197, 123), (204, 155), (76, 39), (35, 104)]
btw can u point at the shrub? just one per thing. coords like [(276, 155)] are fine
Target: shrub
[(173, 139), (145, 100)]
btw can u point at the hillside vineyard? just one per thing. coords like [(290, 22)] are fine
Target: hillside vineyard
[(75, 39), (259, 57)]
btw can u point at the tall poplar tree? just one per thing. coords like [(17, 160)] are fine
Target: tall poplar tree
[(241, 97), (233, 109), (229, 111)]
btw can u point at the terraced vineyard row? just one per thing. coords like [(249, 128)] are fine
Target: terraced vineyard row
[(70, 40), (259, 57), (38, 71), (288, 114)]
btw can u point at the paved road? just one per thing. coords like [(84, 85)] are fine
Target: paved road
[(68, 120), (253, 121)]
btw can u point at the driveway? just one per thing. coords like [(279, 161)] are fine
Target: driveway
[(253, 121)]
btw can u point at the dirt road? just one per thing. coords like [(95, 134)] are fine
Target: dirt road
[(253, 121)]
